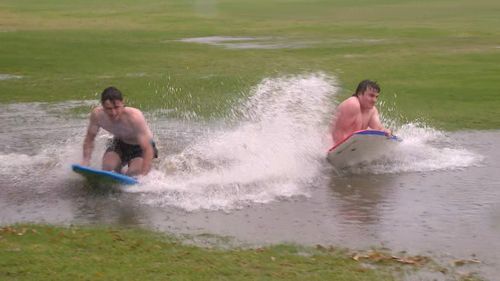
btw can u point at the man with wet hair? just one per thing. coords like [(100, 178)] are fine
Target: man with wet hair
[(132, 143), (358, 112)]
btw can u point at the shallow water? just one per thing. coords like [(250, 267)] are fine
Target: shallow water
[(260, 176), (275, 42)]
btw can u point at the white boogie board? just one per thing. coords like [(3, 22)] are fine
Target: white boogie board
[(361, 146)]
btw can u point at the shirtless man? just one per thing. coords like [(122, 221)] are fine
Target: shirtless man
[(358, 112), (132, 143)]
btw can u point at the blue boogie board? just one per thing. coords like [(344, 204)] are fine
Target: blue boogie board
[(361, 146), (95, 175)]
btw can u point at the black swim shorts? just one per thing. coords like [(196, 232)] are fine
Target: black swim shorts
[(127, 151)]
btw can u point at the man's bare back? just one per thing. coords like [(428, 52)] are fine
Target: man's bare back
[(358, 112)]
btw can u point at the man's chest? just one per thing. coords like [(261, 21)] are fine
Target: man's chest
[(365, 119), (121, 129)]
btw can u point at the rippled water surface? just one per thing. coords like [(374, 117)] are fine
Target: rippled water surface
[(260, 176)]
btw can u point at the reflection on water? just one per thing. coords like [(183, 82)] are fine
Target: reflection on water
[(264, 178), (361, 199)]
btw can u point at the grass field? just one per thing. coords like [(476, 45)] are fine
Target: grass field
[(54, 253), (436, 61)]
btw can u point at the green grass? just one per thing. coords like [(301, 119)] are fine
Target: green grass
[(29, 252), (440, 58)]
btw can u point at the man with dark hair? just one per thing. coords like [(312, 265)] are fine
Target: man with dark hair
[(132, 143), (358, 112)]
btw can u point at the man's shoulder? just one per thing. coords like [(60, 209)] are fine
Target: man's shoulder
[(134, 114), (96, 112), (133, 111), (97, 109), (350, 104)]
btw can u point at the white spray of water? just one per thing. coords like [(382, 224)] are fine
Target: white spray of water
[(426, 149), (277, 150), (4, 76), (422, 149), (40, 141), (272, 153)]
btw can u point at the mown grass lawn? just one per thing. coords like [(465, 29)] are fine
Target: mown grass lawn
[(35, 252), (436, 61)]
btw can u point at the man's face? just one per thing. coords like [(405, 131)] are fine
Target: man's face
[(113, 109), (368, 98)]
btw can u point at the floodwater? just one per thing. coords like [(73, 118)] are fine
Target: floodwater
[(273, 42), (260, 176)]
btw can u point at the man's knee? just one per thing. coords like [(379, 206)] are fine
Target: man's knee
[(135, 167), (111, 161)]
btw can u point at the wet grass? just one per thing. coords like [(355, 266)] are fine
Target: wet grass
[(437, 61), (29, 252), (41, 252)]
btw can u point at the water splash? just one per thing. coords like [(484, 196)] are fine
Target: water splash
[(274, 150), (39, 140), (271, 147), (427, 149), (4, 76), (422, 149)]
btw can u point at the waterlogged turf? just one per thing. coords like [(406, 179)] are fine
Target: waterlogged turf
[(52, 253), (437, 61), (267, 72)]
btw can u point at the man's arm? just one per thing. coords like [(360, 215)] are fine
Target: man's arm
[(346, 121), (144, 139), (376, 124), (88, 143), (147, 155)]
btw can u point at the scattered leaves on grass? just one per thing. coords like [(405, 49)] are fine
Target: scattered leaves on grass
[(469, 276), (325, 249), (414, 260), (320, 247), (118, 237), (376, 256), (464, 262), (16, 231)]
